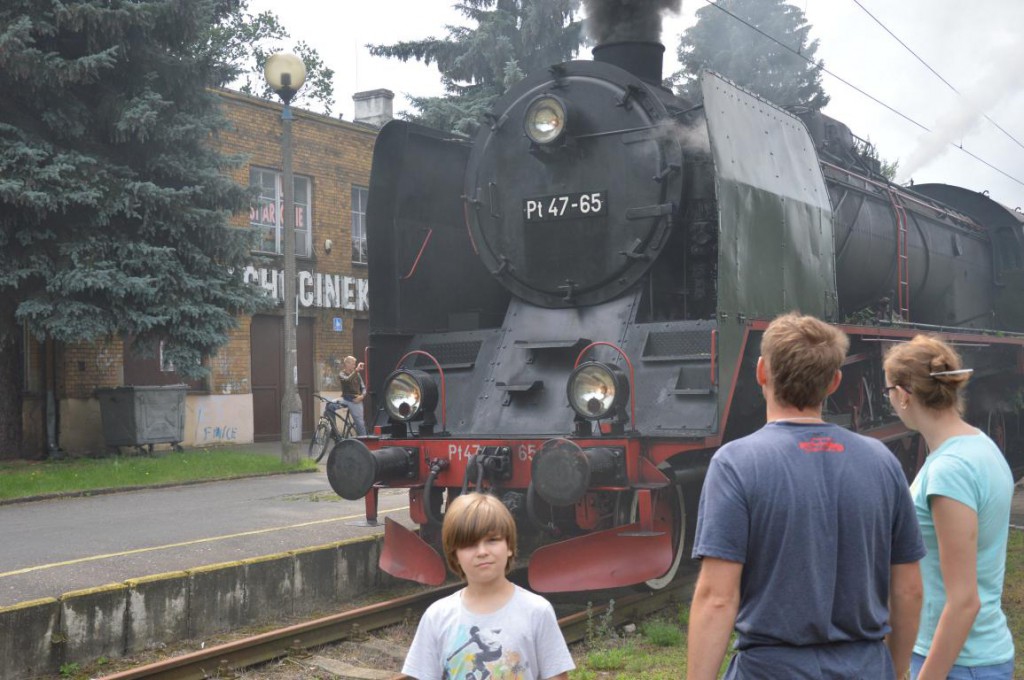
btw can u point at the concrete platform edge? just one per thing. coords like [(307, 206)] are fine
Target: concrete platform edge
[(121, 619)]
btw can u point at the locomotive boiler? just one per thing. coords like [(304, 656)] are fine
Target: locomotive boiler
[(567, 308)]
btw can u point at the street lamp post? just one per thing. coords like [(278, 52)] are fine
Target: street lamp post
[(285, 74)]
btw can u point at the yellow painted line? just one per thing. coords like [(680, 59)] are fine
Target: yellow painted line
[(211, 539)]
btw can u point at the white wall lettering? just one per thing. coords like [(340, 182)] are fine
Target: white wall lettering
[(315, 289), (306, 289), (348, 293), (362, 294)]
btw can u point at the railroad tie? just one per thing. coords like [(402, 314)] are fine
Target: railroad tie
[(347, 671), (384, 648)]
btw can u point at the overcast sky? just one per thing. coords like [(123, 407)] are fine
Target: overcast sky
[(976, 46)]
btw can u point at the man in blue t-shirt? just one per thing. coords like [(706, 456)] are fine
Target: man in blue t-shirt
[(807, 533)]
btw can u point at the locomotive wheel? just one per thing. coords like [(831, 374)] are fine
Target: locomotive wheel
[(670, 507)]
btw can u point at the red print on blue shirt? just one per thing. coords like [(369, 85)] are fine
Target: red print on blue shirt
[(821, 445)]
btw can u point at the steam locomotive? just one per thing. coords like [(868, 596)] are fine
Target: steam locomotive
[(567, 309)]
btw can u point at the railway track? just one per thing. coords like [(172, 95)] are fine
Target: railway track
[(241, 654)]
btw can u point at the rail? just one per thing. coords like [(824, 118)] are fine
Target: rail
[(247, 652)]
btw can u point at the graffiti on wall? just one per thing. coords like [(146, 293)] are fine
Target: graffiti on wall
[(213, 427)]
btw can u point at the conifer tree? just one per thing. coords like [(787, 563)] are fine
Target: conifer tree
[(477, 65), (114, 203), (724, 44)]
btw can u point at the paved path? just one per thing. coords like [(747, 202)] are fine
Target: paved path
[(54, 546)]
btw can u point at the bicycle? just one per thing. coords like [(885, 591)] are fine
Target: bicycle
[(327, 428)]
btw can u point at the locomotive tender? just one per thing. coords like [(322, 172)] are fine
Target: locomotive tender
[(567, 309)]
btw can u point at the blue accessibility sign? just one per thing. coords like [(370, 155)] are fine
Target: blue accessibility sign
[(338, 326)]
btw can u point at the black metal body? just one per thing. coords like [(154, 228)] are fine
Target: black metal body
[(708, 223)]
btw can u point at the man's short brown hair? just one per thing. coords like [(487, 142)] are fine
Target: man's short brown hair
[(471, 517), (802, 354)]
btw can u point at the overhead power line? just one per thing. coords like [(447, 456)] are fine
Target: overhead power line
[(936, 73), (878, 101)]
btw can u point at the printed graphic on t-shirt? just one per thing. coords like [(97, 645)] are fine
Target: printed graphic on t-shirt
[(821, 445), (478, 654)]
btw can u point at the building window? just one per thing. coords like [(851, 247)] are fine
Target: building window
[(152, 368), (266, 213), (359, 195), (166, 365)]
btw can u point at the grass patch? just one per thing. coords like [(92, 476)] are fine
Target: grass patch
[(20, 479), (610, 659), (654, 656), (1013, 594), (633, 658), (662, 633)]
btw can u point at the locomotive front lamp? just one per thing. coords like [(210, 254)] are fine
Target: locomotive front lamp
[(545, 119), (409, 394), (597, 390)]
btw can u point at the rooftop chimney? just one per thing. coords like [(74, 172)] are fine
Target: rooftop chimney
[(373, 107)]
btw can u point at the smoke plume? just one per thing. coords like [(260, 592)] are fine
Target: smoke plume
[(1000, 82), (621, 20)]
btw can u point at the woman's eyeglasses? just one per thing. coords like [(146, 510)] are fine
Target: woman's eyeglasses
[(889, 388)]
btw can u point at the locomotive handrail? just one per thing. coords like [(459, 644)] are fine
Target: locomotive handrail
[(942, 209), (444, 403), (416, 262), (632, 390)]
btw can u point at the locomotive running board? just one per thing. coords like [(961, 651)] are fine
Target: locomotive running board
[(612, 558), (408, 556)]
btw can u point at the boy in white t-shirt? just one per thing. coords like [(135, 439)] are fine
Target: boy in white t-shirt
[(492, 629)]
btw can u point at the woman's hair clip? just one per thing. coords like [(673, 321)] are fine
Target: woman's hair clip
[(959, 371)]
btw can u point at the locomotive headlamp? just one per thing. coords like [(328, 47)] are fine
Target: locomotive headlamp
[(597, 390), (409, 393), (545, 119)]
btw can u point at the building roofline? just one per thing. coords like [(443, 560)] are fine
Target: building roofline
[(259, 102)]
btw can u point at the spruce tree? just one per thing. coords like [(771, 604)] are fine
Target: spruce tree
[(114, 202), (477, 65), (724, 44)]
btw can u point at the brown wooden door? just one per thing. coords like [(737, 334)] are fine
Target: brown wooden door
[(267, 358), (304, 344)]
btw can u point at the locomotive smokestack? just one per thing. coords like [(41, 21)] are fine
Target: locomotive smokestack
[(642, 59), (627, 34)]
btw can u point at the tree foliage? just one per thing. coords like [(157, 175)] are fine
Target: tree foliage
[(242, 41), (477, 65), (114, 203), (724, 44)]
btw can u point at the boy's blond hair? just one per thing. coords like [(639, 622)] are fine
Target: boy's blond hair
[(471, 517), (803, 354)]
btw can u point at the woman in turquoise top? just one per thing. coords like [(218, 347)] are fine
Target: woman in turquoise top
[(962, 496)]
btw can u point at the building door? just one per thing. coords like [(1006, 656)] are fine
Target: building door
[(267, 359)]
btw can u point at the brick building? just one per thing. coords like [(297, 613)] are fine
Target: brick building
[(239, 402)]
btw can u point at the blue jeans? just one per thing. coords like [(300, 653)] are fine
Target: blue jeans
[(356, 409), (999, 671)]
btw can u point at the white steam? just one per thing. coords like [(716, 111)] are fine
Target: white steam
[(1000, 81)]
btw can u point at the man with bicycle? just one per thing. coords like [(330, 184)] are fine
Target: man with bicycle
[(353, 391)]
